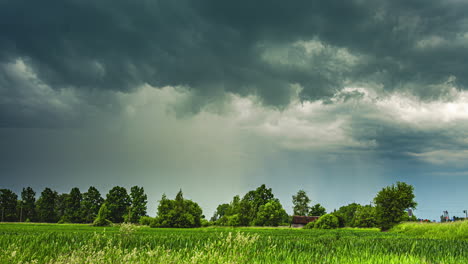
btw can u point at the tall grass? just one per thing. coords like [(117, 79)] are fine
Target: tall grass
[(22, 243), (449, 230)]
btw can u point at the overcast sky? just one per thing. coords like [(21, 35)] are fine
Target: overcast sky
[(339, 98)]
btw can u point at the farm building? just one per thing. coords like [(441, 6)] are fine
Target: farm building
[(300, 221)]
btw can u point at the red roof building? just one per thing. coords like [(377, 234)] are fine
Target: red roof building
[(300, 221)]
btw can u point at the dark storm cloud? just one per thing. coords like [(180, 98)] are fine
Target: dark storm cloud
[(215, 46), (401, 141)]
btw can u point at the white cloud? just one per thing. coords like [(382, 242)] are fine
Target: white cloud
[(311, 54), (459, 40), (444, 157)]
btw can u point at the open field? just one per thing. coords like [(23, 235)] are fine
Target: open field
[(67, 243)]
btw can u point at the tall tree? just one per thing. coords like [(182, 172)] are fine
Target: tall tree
[(347, 213), (251, 202), (179, 212), (228, 214), (46, 206), (28, 203), (138, 204), (61, 208), (270, 214), (365, 216), (73, 206), (91, 204), (391, 203), (118, 203), (317, 210), (221, 211), (301, 203), (8, 203)]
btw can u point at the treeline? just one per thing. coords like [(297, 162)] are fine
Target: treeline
[(257, 207), (73, 207), (389, 209)]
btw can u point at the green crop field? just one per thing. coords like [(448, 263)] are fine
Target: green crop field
[(73, 243)]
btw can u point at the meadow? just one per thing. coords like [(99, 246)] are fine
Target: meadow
[(75, 243)]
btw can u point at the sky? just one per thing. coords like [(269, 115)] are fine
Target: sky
[(339, 98)]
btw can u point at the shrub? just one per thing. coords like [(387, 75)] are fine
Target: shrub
[(64, 220), (309, 225), (223, 221), (102, 217), (328, 221), (146, 220), (341, 219), (205, 223), (233, 220)]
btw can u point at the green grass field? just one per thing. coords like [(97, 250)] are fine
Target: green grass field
[(67, 243)]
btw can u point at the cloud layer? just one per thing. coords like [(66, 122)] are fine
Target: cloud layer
[(245, 48)]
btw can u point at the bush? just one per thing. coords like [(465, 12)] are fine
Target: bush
[(205, 223), (328, 221), (223, 221), (365, 216), (156, 223), (102, 222), (309, 225), (179, 213), (146, 220), (341, 219), (233, 220), (64, 220), (102, 217)]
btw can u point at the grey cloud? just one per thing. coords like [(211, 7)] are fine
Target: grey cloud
[(215, 47)]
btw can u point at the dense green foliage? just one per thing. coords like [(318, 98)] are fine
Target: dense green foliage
[(118, 203), (90, 204), (258, 207), (61, 208), (73, 211), (46, 206), (146, 220), (391, 203), (138, 200), (365, 216), (102, 218), (179, 212), (301, 203), (72, 243), (328, 221), (356, 215), (8, 203), (73, 207), (310, 225), (270, 214), (317, 210), (28, 205), (347, 213)]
